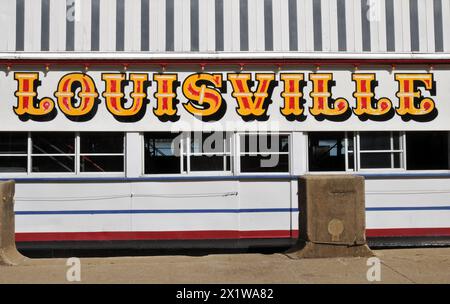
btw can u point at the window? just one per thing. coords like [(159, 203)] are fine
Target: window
[(427, 150), (264, 153), (61, 152), (13, 152), (209, 151), (390, 150), (101, 152), (327, 151), (53, 152), (201, 152), (161, 153), (381, 150)]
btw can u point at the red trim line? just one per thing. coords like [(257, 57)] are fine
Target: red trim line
[(399, 232), (209, 235), (152, 235), (215, 62)]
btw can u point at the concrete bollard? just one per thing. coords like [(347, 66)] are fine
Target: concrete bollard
[(331, 217), (8, 252)]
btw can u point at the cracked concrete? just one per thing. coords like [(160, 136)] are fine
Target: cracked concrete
[(423, 265)]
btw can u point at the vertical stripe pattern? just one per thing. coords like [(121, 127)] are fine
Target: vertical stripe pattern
[(95, 25), (268, 25), (45, 25), (194, 26), (219, 24), (226, 25), (243, 15), (170, 25), (414, 24), (120, 26), (390, 25), (293, 25), (317, 23), (438, 25), (342, 27), (20, 24), (71, 15), (145, 26), (365, 24)]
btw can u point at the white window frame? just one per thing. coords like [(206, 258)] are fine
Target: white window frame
[(26, 155), (401, 151), (77, 170), (357, 159), (224, 155), (239, 153), (185, 151), (112, 173)]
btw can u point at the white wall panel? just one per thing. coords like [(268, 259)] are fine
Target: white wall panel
[(83, 27), (57, 25), (406, 27), (333, 25), (206, 25), (326, 25), (32, 35), (422, 8), (157, 25), (276, 29), (381, 28), (429, 34), (350, 25), (132, 25), (107, 25), (446, 24), (8, 25), (283, 29), (357, 25)]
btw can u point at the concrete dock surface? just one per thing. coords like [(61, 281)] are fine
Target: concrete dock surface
[(418, 265)]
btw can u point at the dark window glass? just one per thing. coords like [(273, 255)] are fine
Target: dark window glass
[(161, 153), (103, 142), (207, 163), (380, 160), (326, 151), (53, 143), (375, 140), (264, 153), (264, 143), (208, 151), (427, 150), (351, 161), (260, 163), (396, 138), (13, 143), (13, 164), (103, 163), (53, 163)]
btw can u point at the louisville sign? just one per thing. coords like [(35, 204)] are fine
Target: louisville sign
[(296, 100)]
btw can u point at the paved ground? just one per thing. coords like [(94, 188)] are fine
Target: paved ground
[(430, 265)]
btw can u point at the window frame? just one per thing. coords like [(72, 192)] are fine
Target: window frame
[(238, 153), (77, 160), (185, 170), (358, 170), (110, 173), (25, 155), (401, 150)]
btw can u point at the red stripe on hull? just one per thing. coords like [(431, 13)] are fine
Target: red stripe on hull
[(210, 234), (153, 235), (405, 232)]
